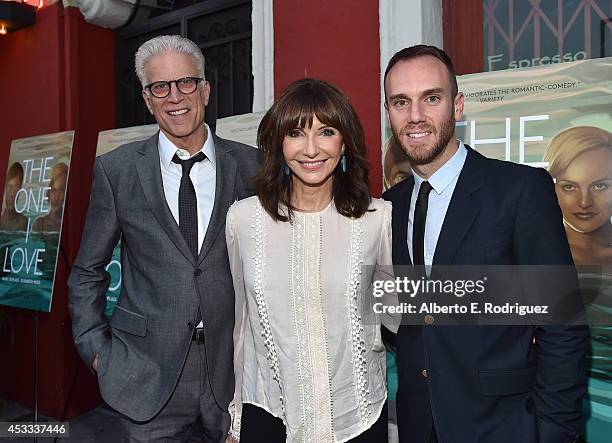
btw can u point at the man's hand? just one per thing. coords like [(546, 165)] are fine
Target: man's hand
[(94, 365), (231, 439)]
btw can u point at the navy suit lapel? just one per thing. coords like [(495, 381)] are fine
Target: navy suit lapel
[(226, 167), (462, 210), (149, 172), (401, 213)]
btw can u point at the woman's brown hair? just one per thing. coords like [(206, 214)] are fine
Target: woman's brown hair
[(296, 107)]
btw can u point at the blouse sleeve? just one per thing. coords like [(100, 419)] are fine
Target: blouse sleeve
[(235, 260), (384, 269)]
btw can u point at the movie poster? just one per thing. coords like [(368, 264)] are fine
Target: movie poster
[(31, 219), (558, 117), (107, 141), (240, 128)]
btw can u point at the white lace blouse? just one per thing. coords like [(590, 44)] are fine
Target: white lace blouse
[(307, 342)]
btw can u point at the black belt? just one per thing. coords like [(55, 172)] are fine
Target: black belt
[(198, 335)]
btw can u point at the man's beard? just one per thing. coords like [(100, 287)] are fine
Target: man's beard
[(422, 154)]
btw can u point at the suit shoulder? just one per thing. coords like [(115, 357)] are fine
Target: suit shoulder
[(119, 155), (513, 179), (516, 171), (247, 157), (238, 149), (398, 191)]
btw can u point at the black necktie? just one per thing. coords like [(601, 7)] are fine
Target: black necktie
[(418, 226), (188, 202)]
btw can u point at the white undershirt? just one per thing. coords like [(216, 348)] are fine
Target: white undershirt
[(203, 176)]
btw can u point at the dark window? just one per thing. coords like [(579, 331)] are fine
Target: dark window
[(484, 35), (519, 33), (221, 28)]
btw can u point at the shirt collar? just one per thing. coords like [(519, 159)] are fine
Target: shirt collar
[(447, 173), (167, 149)]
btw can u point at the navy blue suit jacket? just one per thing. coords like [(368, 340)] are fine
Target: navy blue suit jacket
[(491, 383)]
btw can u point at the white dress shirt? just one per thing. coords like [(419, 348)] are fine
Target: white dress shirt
[(443, 182), (203, 176)]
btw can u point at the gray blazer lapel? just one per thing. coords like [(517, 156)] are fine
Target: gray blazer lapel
[(149, 173), (224, 194)]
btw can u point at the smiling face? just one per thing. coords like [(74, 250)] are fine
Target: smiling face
[(584, 190), (312, 154), (180, 116), (422, 111)]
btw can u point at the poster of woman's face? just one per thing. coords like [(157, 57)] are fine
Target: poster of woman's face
[(580, 162), (584, 191)]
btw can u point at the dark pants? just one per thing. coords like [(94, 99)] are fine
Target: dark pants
[(258, 426), (191, 411)]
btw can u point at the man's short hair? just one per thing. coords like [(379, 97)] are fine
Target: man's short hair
[(421, 51), (162, 44)]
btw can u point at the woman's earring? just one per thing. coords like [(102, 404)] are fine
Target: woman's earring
[(343, 163), (286, 169)]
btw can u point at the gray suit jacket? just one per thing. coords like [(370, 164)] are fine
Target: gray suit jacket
[(142, 348)]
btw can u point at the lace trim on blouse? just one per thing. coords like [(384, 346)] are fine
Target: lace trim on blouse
[(310, 329), (262, 309), (358, 344)]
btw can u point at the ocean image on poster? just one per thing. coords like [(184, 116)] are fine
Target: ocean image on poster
[(31, 219)]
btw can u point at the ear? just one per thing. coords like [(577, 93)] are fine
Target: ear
[(206, 90), (147, 100), (458, 106)]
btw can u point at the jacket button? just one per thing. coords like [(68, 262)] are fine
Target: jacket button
[(190, 325), (429, 319), (197, 272), (424, 373)]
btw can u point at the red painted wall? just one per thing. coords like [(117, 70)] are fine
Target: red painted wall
[(463, 35), (57, 76), (336, 41)]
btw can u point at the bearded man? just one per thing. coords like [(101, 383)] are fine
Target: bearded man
[(472, 383)]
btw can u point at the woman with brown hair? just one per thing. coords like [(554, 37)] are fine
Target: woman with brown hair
[(304, 253)]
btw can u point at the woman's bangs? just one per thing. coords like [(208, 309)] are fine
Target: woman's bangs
[(303, 107)]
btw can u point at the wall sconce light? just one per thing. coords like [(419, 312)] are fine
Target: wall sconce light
[(38, 3), (15, 16)]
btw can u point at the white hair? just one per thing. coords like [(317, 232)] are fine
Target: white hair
[(166, 43)]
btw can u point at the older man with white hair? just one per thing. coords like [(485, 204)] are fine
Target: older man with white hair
[(164, 359)]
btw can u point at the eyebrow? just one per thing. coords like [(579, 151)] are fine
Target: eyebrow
[(433, 91), (396, 96), (603, 179), (425, 93)]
